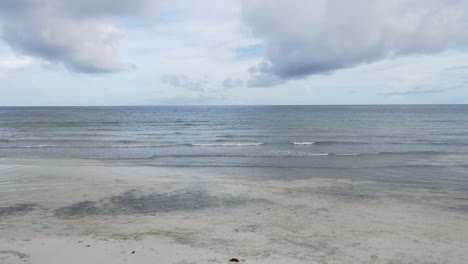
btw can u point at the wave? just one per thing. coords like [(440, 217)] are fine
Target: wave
[(7, 140), (236, 155), (38, 146), (341, 142), (65, 123), (101, 146), (246, 165), (138, 146), (239, 144), (290, 155), (422, 152), (303, 143)]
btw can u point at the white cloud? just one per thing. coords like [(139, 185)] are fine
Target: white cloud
[(79, 34), (14, 62), (232, 83), (184, 81), (302, 38)]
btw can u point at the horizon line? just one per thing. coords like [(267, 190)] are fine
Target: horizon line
[(201, 105)]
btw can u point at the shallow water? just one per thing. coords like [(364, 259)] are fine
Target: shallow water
[(282, 184), (56, 203)]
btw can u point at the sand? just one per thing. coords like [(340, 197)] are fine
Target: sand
[(65, 211)]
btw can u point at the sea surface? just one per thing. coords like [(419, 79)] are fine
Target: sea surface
[(412, 145)]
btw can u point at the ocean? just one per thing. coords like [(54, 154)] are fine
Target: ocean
[(264, 184), (414, 144)]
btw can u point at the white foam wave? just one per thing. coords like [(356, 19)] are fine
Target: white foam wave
[(303, 143), (225, 144), (43, 146), (318, 154), (135, 146)]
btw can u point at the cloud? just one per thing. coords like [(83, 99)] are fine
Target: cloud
[(107, 7), (415, 91), (262, 76), (303, 38), (418, 90), (232, 83), (458, 67), (184, 81), (15, 62), (80, 34)]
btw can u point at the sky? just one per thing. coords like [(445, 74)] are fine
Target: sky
[(233, 52)]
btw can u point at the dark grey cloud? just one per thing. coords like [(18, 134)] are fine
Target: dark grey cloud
[(80, 34), (302, 38), (184, 81), (232, 83)]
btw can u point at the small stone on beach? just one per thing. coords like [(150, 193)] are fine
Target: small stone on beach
[(234, 260)]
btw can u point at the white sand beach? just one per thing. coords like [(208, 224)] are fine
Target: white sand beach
[(69, 211)]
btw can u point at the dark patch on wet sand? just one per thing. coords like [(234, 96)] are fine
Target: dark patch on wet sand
[(177, 201), (14, 253), (134, 202), (16, 209), (78, 210)]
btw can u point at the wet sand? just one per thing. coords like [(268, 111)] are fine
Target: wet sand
[(72, 211)]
